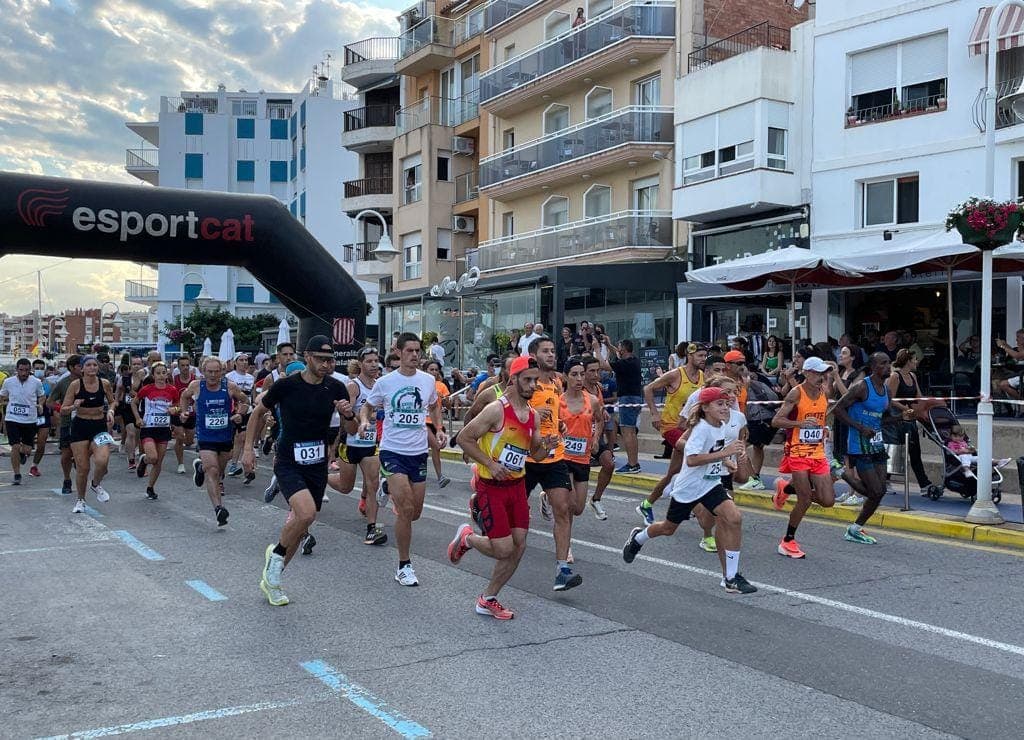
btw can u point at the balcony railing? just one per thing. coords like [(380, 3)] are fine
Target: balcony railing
[(463, 109), (371, 115), (361, 251), (375, 49), (646, 18), (468, 26), (466, 187), (432, 30), (499, 11), (763, 34), (437, 111), (579, 238), (635, 124), (1004, 114), (142, 159), (369, 186), (928, 104), (140, 289), (190, 105)]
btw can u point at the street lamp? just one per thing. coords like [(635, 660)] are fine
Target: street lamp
[(385, 250), (116, 321), (984, 511), (202, 299)]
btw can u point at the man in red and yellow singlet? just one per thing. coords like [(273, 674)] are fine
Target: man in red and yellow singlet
[(500, 439), (803, 416)]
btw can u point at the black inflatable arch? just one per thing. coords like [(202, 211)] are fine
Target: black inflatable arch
[(99, 220)]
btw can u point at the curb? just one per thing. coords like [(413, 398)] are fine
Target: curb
[(887, 517)]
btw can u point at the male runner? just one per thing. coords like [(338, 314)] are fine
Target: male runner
[(43, 423), (306, 401), (862, 409), (184, 430), (126, 387), (60, 388), (212, 397), (679, 385), (241, 377), (499, 439), (803, 414), (602, 455), (407, 395), (24, 395)]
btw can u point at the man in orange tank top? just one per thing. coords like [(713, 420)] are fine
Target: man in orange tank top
[(499, 439), (803, 416)]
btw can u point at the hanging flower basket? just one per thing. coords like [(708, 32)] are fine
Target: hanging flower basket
[(987, 224)]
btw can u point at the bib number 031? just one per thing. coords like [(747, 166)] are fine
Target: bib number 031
[(309, 453)]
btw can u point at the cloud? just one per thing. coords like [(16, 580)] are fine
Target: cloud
[(75, 70)]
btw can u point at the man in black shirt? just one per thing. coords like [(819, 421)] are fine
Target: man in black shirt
[(306, 402), (629, 381)]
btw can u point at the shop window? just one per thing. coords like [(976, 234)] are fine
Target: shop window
[(444, 166), (599, 102), (555, 211), (412, 179), (776, 148), (412, 255), (890, 201), (555, 24), (597, 201), (556, 117)]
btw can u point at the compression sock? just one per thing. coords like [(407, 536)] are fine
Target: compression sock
[(279, 549), (732, 564)]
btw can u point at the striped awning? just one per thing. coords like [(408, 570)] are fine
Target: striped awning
[(1009, 31)]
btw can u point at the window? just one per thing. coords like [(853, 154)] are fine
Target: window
[(293, 128), (245, 170), (645, 194), (444, 166), (412, 177), (890, 201), (192, 291), (302, 204), (597, 201), (444, 244), (736, 158), (596, 7), (412, 255), (302, 159), (510, 51), (193, 166), (598, 102), (776, 148), (193, 124), (508, 138), (698, 167), (245, 294), (555, 24), (279, 171), (279, 129), (556, 117), (243, 108), (302, 114), (508, 223), (245, 128), (904, 77), (1020, 179), (648, 91), (555, 211)]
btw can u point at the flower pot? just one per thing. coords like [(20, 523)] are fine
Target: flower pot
[(986, 241)]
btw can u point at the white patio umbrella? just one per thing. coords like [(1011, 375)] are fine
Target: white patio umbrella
[(227, 346), (207, 347), (284, 332)]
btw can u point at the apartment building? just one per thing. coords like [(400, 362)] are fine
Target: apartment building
[(284, 144)]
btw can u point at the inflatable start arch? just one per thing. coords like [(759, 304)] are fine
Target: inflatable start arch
[(98, 220)]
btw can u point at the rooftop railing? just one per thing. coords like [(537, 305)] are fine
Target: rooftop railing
[(763, 34)]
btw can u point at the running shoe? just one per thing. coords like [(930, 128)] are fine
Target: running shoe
[(151, 494), (566, 579), (34, 471), (856, 533), (475, 515), (250, 477), (362, 507), (738, 585), (79, 507), (375, 536), (406, 576), (628, 469), (326, 498), (273, 565), (308, 543), (791, 550), (65, 489), (493, 607), (234, 470), (198, 474), (268, 444), (780, 496), (101, 493), (131, 463), (853, 499), (459, 546), (24, 458), (598, 508), (753, 484), (545, 507), (181, 468), (646, 512), (632, 547), (222, 516), (140, 469), (270, 491), (708, 544), (842, 496), (443, 481), (17, 479), (275, 596)]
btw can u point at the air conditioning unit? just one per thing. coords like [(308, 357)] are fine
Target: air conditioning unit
[(463, 224), (464, 145)]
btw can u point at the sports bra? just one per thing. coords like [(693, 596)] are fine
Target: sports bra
[(91, 399)]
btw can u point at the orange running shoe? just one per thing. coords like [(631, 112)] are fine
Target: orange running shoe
[(791, 550), (459, 546), (780, 496), (493, 607)]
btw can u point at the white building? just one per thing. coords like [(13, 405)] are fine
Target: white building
[(139, 327), (283, 144)]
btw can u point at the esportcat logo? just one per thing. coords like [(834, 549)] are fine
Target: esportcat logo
[(36, 204)]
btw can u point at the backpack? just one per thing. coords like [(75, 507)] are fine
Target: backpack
[(756, 412)]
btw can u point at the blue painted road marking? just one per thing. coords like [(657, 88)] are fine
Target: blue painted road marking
[(207, 590), (365, 700), (147, 552), (88, 509)]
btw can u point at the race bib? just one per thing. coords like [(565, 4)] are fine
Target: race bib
[(157, 420), (40, 421), (21, 410), (576, 445), (103, 438), (367, 438), (217, 421), (811, 436), (513, 458), (410, 419), (309, 453), (714, 471)]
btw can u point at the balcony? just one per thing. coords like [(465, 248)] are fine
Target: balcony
[(763, 34), (148, 130), (929, 104), (369, 129), (427, 45), (144, 164), (436, 112), (589, 148), (632, 235), (636, 30), (360, 260), (370, 61), (466, 188), (141, 291), (369, 192), (745, 190), (189, 104), (497, 12), (1004, 114)]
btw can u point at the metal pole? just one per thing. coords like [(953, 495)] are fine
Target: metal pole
[(792, 315), (952, 340), (906, 471)]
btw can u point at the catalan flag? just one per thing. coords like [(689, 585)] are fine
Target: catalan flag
[(34, 351)]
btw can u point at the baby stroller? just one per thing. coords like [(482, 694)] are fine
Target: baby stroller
[(940, 421)]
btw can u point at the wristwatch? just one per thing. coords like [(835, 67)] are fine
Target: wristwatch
[(349, 418)]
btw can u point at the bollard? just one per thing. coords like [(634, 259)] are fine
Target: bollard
[(906, 472)]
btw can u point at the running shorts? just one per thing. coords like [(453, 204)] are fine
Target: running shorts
[(292, 478), (25, 434), (503, 506), (679, 512), (157, 434), (579, 472), (414, 467), (548, 475), (809, 465)]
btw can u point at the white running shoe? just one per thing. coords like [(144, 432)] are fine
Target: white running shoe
[(101, 493), (598, 508), (853, 500), (545, 507), (79, 507), (406, 576), (273, 566), (181, 469), (753, 484), (326, 498)]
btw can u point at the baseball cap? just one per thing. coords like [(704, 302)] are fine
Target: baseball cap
[(520, 364), (319, 343), (694, 347), (709, 395), (815, 365), (294, 367), (734, 355)]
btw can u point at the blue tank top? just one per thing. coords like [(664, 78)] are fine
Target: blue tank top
[(213, 414), (868, 412)]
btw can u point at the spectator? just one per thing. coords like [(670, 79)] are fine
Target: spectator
[(910, 342), (580, 18), (793, 375), (890, 345), (529, 334), (513, 344), (902, 383), (771, 360), (565, 347), (610, 393), (970, 349), (739, 344), (678, 358), (436, 352), (600, 335), (629, 381)]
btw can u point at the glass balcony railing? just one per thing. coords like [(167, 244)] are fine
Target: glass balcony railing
[(466, 187), (436, 111), (635, 124), (578, 238), (432, 30), (635, 18), (499, 11)]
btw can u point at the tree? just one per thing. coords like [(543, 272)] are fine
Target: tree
[(200, 324)]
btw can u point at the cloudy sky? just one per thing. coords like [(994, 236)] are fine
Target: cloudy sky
[(73, 71)]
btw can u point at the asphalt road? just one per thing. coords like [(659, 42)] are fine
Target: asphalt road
[(102, 634)]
